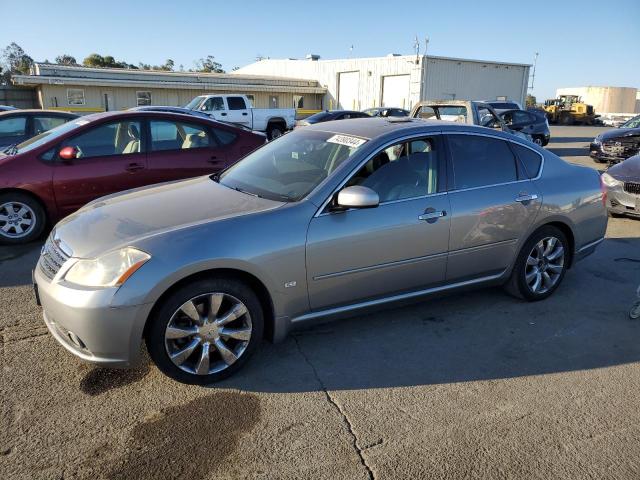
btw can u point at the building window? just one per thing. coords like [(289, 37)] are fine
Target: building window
[(251, 99), (273, 101), (75, 96), (143, 98), (298, 101)]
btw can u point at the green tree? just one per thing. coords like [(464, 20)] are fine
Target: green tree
[(93, 60), (168, 65), (530, 101), (14, 61), (66, 60), (209, 65)]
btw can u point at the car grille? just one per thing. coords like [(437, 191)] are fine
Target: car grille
[(51, 259), (620, 148), (632, 187)]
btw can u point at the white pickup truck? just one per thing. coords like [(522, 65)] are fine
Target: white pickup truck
[(237, 109)]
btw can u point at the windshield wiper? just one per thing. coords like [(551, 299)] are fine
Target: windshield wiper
[(11, 149), (238, 189)]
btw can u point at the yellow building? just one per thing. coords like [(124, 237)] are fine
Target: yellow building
[(89, 90)]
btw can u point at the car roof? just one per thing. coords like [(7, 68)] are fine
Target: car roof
[(32, 111), (375, 127)]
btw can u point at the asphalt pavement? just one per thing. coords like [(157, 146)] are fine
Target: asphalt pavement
[(474, 385)]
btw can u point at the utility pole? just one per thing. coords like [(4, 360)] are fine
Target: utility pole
[(533, 74)]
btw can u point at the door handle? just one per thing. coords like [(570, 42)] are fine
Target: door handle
[(524, 197), (134, 167), (431, 216), (245, 113), (213, 159), (224, 114)]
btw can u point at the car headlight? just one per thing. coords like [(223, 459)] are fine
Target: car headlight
[(108, 270), (597, 140), (609, 181)]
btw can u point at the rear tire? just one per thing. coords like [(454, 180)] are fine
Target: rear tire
[(540, 266), (22, 218), (275, 131), (566, 120), (190, 337)]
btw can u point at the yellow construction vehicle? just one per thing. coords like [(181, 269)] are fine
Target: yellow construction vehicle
[(568, 110)]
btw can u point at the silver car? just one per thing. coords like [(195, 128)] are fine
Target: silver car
[(336, 218), (623, 187)]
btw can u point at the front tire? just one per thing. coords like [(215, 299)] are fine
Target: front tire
[(22, 218), (540, 265), (205, 331)]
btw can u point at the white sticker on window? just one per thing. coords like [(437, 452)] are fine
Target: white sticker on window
[(346, 140)]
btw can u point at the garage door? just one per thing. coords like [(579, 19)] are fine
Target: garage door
[(348, 84), (395, 91)]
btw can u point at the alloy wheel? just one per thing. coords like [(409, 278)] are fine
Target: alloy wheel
[(17, 219), (208, 333), (544, 265)]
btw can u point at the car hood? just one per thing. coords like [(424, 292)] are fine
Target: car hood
[(123, 219), (618, 133), (627, 171)]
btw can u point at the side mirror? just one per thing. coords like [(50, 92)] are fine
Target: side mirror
[(68, 153), (357, 196)]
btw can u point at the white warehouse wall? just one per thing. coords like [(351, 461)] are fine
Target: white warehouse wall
[(429, 78), (449, 78)]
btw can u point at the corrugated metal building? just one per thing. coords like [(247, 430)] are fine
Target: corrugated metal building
[(401, 80), (605, 99), (86, 90)]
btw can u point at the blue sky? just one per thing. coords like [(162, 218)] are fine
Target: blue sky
[(580, 42)]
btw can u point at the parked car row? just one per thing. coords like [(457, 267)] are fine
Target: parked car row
[(56, 172), (331, 219)]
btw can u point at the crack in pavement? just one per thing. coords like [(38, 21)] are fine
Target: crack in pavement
[(341, 412)]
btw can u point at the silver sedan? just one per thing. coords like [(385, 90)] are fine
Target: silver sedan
[(336, 218)]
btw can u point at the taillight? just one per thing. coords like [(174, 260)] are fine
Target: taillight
[(603, 189)]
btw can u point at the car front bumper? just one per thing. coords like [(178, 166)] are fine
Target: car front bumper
[(621, 202), (87, 324)]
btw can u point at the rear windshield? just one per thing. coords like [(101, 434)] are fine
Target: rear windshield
[(193, 104), (318, 117), (504, 106), (452, 113)]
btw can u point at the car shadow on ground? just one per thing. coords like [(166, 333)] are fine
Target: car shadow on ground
[(480, 335), (571, 139), (569, 151), (17, 262)]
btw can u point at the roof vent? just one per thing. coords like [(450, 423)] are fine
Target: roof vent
[(313, 57)]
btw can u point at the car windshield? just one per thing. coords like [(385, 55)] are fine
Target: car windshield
[(193, 104), (291, 167), (633, 123), (45, 137)]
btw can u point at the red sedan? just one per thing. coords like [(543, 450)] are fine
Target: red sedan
[(52, 175)]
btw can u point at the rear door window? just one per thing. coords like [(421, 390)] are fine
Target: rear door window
[(236, 103), (481, 161), (42, 124)]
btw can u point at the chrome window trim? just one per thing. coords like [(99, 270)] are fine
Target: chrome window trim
[(362, 164), (479, 134)]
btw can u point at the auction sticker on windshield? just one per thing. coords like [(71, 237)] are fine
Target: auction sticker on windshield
[(347, 140)]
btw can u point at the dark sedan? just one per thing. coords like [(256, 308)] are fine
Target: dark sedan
[(623, 187), (57, 172), (616, 145), (16, 126), (530, 123), (327, 116), (387, 112)]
